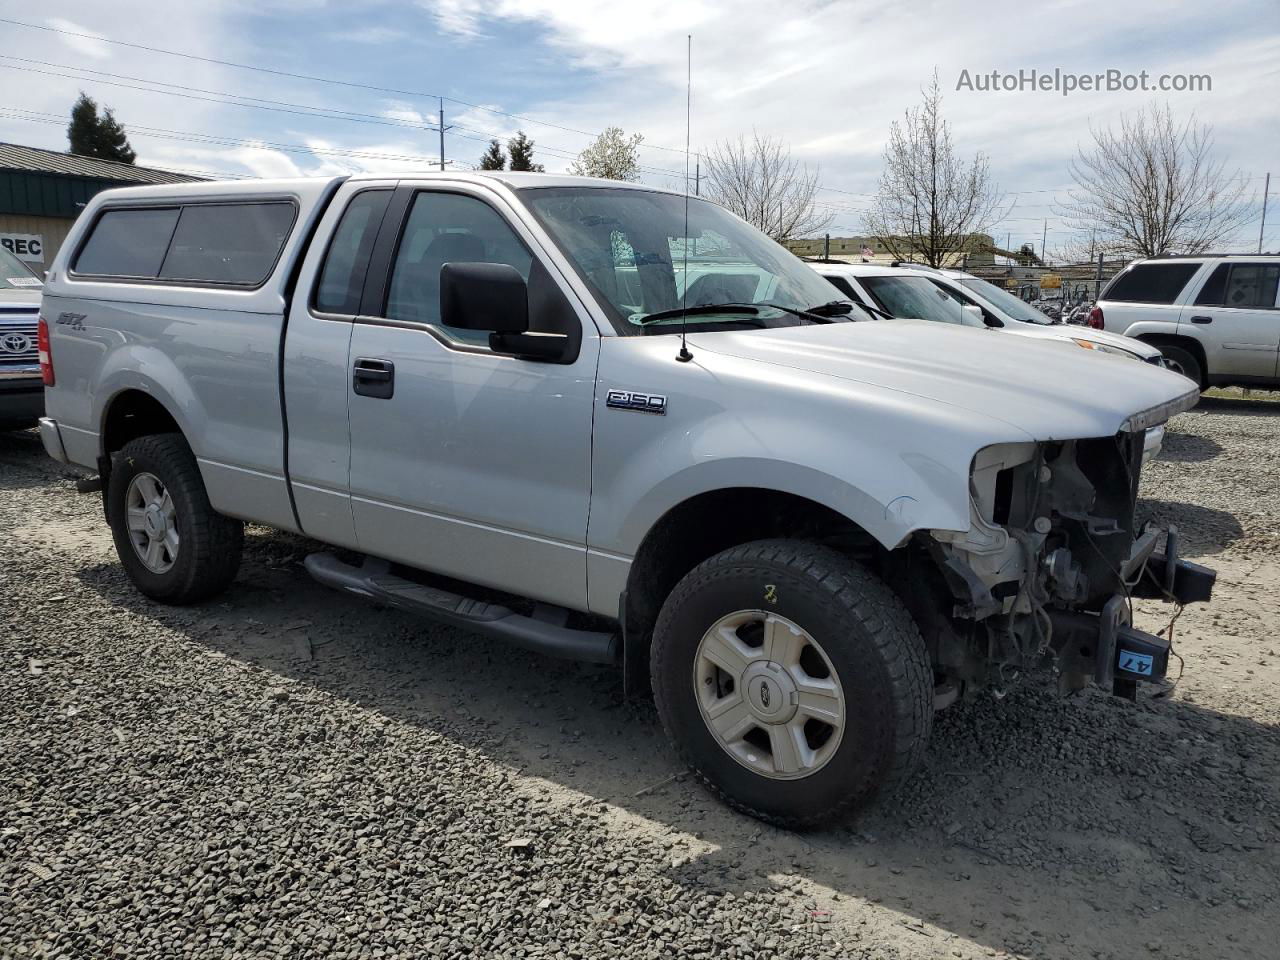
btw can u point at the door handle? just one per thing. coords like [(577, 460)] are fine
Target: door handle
[(1202, 319), (374, 378)]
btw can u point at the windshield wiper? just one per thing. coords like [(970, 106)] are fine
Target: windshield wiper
[(699, 310), (832, 308), (703, 309), (877, 312)]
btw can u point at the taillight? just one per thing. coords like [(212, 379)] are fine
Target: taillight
[(42, 350), (1095, 318)]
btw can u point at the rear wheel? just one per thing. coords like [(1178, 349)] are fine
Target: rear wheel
[(1184, 362), (175, 547), (792, 680)]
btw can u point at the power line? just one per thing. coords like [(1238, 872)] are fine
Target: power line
[(225, 98), (310, 77)]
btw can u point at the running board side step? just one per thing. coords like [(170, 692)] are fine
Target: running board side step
[(374, 581)]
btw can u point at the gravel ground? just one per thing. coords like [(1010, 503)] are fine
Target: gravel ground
[(286, 772)]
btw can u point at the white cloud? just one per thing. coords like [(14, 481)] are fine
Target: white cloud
[(80, 39)]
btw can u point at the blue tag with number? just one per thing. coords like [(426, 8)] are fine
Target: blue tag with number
[(1139, 663)]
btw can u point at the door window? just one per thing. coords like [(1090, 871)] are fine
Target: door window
[(1252, 285), (1211, 293), (341, 281), (448, 228)]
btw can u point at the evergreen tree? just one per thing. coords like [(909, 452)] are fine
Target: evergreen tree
[(94, 135), (493, 158), (520, 149)]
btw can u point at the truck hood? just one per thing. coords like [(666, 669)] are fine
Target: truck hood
[(1067, 333), (1039, 387)]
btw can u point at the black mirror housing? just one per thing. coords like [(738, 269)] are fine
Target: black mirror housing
[(548, 347), (484, 296)]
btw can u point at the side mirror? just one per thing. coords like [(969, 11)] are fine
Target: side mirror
[(972, 315), (484, 296)]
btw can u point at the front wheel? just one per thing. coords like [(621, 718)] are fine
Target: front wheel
[(175, 547), (792, 680)]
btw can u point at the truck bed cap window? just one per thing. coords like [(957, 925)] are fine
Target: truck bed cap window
[(234, 243), (221, 244), (128, 243)]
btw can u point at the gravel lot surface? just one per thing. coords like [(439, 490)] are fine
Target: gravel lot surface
[(286, 772)]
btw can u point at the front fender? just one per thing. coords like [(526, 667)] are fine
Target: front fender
[(890, 462)]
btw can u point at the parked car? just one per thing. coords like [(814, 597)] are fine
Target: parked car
[(21, 389), (1215, 317), (950, 296), (999, 308), (805, 531)]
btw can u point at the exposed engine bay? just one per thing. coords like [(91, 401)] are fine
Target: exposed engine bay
[(1049, 567)]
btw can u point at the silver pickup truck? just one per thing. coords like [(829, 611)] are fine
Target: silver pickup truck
[(616, 424)]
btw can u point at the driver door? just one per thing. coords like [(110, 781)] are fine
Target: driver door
[(463, 461)]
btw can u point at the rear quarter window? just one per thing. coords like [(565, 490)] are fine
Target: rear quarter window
[(1150, 283)]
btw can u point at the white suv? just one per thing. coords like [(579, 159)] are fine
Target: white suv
[(1215, 317)]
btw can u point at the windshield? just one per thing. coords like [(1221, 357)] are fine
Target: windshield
[(1005, 301), (915, 298), (15, 273), (630, 246)]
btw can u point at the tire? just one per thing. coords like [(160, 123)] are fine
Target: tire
[(205, 556), (867, 643), (1185, 362)]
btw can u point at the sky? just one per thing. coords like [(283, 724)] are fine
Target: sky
[(825, 76)]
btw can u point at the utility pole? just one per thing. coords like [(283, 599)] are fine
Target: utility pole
[(697, 179), (1265, 190), (1044, 237), (443, 128), (826, 247)]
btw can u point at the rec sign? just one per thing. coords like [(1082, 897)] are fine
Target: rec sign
[(24, 246)]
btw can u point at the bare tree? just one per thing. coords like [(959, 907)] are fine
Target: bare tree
[(1152, 188), (612, 155), (930, 202), (762, 183)]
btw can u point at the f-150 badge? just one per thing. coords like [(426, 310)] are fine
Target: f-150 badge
[(643, 402)]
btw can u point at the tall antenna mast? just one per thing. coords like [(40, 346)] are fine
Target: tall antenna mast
[(684, 356)]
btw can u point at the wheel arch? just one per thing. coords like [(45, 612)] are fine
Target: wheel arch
[(133, 413), (1190, 344), (705, 524)]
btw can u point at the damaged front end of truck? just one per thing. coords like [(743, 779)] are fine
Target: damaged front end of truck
[(1051, 564)]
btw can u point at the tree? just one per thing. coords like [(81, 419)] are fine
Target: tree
[(94, 135), (761, 182), (1152, 188), (520, 149), (612, 156), (493, 158), (930, 202)]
